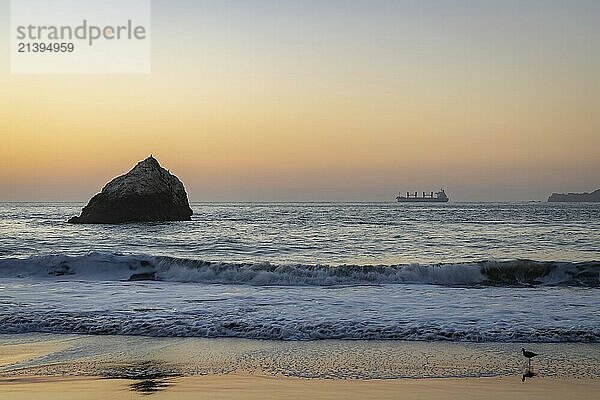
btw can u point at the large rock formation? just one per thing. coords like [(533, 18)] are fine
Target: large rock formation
[(146, 193), (575, 197)]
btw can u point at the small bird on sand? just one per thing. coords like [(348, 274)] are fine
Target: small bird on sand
[(528, 354)]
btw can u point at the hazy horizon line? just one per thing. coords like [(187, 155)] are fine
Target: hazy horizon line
[(302, 201)]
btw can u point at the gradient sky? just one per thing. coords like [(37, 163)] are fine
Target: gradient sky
[(324, 100)]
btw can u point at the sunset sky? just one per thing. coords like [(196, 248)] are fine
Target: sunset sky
[(324, 100)]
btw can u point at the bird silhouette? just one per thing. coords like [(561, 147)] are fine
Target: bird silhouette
[(528, 354)]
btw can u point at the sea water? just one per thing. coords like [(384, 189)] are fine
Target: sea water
[(482, 272)]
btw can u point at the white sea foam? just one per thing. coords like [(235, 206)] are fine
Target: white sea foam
[(115, 267), (365, 312)]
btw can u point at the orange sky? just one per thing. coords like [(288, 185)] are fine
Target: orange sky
[(352, 106)]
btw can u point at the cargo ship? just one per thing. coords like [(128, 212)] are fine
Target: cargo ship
[(438, 197)]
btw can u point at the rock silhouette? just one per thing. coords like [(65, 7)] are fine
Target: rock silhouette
[(147, 193)]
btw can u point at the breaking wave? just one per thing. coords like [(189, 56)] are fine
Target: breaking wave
[(111, 267)]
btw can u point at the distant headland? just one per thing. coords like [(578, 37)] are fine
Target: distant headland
[(575, 197)]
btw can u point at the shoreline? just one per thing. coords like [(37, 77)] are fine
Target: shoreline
[(51, 366), (91, 355), (62, 354)]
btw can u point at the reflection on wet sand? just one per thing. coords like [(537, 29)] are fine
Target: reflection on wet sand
[(150, 386), (528, 374), (150, 376)]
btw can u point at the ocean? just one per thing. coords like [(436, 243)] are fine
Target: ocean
[(462, 272)]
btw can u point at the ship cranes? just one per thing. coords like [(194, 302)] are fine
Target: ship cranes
[(440, 197)]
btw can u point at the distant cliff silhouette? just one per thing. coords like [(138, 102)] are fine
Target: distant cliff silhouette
[(575, 197)]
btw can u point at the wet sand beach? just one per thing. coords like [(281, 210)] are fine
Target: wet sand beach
[(267, 387)]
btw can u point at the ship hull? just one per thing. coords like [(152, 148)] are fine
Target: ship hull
[(420, 200)]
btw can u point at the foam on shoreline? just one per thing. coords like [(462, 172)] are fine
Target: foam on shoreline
[(127, 357)]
